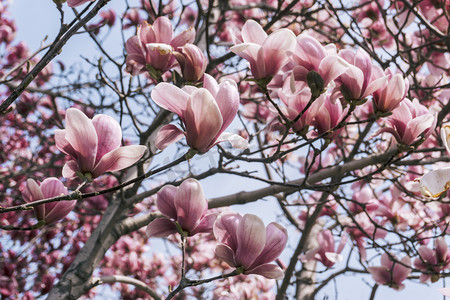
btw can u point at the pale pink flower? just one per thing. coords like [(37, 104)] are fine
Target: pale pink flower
[(358, 81), (206, 113), (192, 62), (75, 3), (185, 206), (153, 46), (265, 53), (49, 188), (315, 64), (94, 145), (391, 273), (409, 121), (432, 262), (387, 98), (326, 252), (244, 242)]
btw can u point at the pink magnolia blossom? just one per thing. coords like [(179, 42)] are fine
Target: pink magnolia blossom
[(184, 206), (245, 243), (432, 262), (315, 64), (75, 3), (409, 121), (94, 145), (49, 188), (206, 113), (153, 46), (387, 98), (435, 183), (266, 54), (391, 273), (192, 62), (329, 116), (358, 81), (326, 252)]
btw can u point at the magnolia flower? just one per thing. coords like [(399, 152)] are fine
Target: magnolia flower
[(247, 245), (266, 54), (437, 182), (328, 116), (387, 98), (94, 145), (409, 121), (153, 45), (315, 64), (206, 113), (49, 188), (192, 62), (391, 273), (326, 252), (185, 207), (433, 261), (359, 80)]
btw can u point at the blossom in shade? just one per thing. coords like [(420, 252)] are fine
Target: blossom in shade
[(184, 207), (409, 121), (94, 145), (247, 245), (49, 188), (437, 182), (391, 272), (206, 113), (265, 53), (432, 262), (152, 47), (326, 252), (192, 62)]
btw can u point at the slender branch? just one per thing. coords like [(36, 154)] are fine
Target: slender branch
[(128, 280)]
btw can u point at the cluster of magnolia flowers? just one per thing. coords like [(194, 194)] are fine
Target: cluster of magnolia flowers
[(244, 242)]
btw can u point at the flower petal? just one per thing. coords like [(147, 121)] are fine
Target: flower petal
[(109, 134), (251, 237), (170, 97), (167, 135), (161, 227), (70, 169), (252, 32), (226, 254), (225, 228), (165, 201), (435, 183), (276, 239), (81, 134), (119, 159), (190, 204), (236, 140), (270, 271), (63, 145), (206, 224)]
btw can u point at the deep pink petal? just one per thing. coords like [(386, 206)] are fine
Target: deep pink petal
[(109, 134), (251, 238), (32, 192), (162, 27), (161, 227), (270, 271), (167, 135), (187, 36), (190, 204), (381, 275), (81, 134), (119, 159), (170, 97), (165, 201)]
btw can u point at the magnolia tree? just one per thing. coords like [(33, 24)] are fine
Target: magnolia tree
[(331, 116)]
